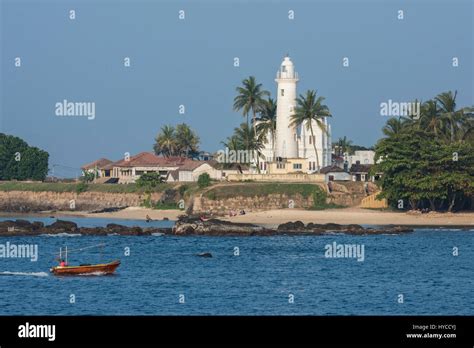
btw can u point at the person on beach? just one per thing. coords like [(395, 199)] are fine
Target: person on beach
[(148, 218)]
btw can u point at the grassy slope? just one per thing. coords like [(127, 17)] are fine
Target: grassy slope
[(265, 189)]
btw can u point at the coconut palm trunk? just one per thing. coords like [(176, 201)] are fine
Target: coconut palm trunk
[(314, 146), (254, 120)]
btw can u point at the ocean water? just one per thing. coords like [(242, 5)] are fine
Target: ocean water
[(284, 275)]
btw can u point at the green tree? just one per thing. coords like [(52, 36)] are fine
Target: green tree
[(165, 142), (245, 139), (149, 181), (428, 161), (250, 98), (180, 141), (204, 180), (88, 176), (310, 108), (266, 123), (19, 161), (394, 125), (187, 141), (343, 145)]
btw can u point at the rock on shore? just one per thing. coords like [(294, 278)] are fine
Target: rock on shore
[(311, 228), (25, 228), (189, 225)]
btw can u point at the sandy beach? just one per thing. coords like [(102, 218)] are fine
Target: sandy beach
[(130, 213), (355, 216), (273, 218)]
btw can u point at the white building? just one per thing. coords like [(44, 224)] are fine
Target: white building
[(359, 157), (291, 142)]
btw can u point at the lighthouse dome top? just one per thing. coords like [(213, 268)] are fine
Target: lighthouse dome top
[(287, 70)]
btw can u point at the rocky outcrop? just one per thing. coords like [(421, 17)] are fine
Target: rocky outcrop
[(311, 228), (195, 226), (25, 228), (192, 226), (215, 227)]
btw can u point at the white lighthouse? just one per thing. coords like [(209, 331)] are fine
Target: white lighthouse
[(286, 138), (293, 150)]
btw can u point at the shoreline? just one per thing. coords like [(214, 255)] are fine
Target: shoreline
[(273, 218), (130, 213)]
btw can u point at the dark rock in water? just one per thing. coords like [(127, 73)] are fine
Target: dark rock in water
[(291, 226), (93, 231), (193, 225), (165, 219), (316, 229), (37, 225), (204, 255), (124, 230), (16, 228), (61, 226), (157, 230), (108, 210)]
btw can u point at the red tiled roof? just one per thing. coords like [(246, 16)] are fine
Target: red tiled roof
[(191, 165), (100, 164), (148, 159)]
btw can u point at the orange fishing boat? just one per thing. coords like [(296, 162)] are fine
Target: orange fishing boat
[(99, 269), (86, 269)]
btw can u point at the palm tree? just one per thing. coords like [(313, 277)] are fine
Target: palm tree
[(310, 108), (250, 97), (186, 140), (232, 143), (344, 145), (448, 112), (394, 126), (267, 121), (430, 117), (165, 142), (245, 139)]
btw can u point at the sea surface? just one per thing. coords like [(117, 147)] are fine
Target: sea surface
[(284, 275)]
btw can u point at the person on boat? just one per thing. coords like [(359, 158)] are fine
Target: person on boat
[(62, 263)]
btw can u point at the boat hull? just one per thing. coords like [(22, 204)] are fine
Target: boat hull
[(100, 269)]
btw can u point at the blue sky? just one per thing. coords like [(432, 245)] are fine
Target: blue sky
[(190, 62)]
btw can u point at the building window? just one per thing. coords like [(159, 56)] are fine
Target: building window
[(283, 68), (282, 92), (280, 165), (297, 166)]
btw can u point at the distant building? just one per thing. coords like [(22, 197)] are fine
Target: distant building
[(99, 166), (171, 169), (335, 173), (337, 161), (191, 170), (359, 156), (361, 172), (287, 166)]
